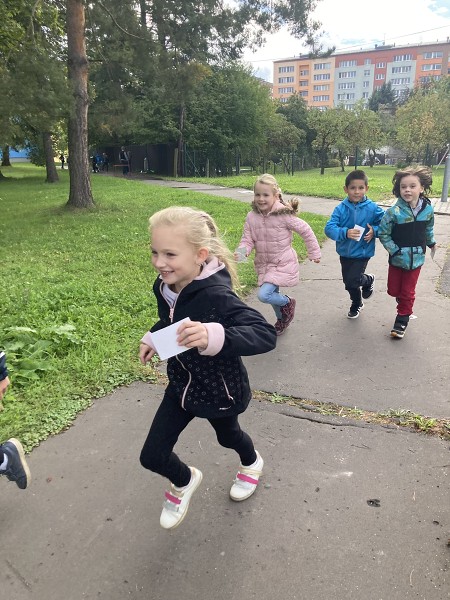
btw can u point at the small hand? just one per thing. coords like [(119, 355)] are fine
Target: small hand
[(353, 234), (192, 334), (369, 235), (3, 385), (316, 260), (146, 353)]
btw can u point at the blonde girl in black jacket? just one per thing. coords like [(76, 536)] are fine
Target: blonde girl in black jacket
[(209, 380)]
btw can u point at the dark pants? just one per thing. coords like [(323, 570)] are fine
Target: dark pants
[(402, 285), (2, 456), (354, 277), (170, 420)]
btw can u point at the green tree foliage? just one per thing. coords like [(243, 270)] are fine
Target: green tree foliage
[(423, 126), (382, 96), (228, 112), (296, 112)]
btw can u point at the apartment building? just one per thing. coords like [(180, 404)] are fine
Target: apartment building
[(346, 77)]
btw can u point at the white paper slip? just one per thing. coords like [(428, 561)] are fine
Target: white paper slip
[(361, 231), (165, 340)]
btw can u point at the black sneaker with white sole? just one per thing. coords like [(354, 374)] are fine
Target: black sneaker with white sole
[(354, 311), (367, 290), (399, 328)]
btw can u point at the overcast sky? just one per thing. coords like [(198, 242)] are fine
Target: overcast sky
[(356, 24)]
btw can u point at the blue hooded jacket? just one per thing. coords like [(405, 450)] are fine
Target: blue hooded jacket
[(344, 217)]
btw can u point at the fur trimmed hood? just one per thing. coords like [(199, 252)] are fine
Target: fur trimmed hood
[(279, 208)]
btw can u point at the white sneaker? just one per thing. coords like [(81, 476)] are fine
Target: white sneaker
[(247, 479), (177, 500)]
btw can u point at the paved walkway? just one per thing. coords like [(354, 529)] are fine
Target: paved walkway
[(345, 511)]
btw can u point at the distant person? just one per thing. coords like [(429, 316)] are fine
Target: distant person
[(353, 225), (63, 160), (268, 229), (209, 380), (94, 164), (12, 456), (406, 230), (105, 165), (124, 160)]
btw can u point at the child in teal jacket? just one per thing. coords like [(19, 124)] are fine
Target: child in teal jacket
[(405, 231)]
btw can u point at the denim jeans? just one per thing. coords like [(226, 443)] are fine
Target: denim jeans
[(269, 293)]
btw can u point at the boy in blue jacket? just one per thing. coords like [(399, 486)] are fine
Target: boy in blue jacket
[(354, 225)]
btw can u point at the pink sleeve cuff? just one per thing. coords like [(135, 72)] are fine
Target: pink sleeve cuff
[(216, 339), (147, 339)]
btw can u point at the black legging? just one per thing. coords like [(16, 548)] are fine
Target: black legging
[(170, 420)]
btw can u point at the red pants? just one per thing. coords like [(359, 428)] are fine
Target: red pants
[(402, 285)]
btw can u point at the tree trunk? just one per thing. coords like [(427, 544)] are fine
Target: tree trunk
[(323, 157), (181, 140), (52, 175), (80, 194), (5, 157), (2, 176), (341, 160)]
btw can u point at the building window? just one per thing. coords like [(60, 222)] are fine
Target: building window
[(346, 96), (432, 54), (323, 98), (366, 84), (322, 76), (283, 100), (285, 90), (285, 79), (367, 61), (321, 108), (401, 69), (304, 93), (347, 86), (365, 94), (379, 76), (286, 69), (304, 72), (321, 66), (303, 83), (347, 74), (348, 63), (435, 67), (402, 57), (366, 72), (381, 65), (401, 81), (349, 106), (322, 88)]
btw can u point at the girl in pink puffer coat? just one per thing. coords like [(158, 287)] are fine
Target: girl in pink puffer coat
[(268, 229)]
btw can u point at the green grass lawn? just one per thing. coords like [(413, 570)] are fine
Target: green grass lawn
[(77, 290), (329, 185)]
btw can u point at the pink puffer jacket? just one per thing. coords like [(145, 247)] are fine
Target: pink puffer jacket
[(271, 235)]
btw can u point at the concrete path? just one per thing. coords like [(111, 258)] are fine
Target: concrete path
[(345, 510)]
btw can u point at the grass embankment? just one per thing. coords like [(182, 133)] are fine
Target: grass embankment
[(81, 282), (329, 185)]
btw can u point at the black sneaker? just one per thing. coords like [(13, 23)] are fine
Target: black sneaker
[(354, 311), (17, 469), (367, 290), (399, 328)]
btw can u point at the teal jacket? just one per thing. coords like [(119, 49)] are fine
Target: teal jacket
[(405, 235)]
